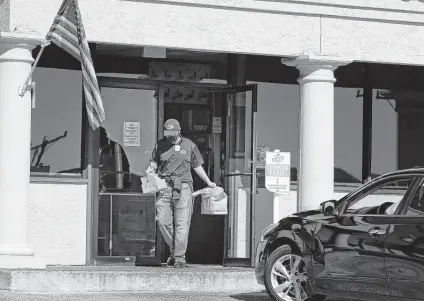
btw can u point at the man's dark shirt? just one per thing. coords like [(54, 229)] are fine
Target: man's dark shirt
[(176, 160)]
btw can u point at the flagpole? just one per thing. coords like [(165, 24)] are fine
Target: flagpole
[(26, 86)]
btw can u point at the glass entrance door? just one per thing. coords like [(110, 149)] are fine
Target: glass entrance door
[(127, 230), (240, 179)]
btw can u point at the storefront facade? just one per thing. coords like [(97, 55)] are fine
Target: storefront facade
[(338, 86)]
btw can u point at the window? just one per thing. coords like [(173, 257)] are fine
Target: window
[(56, 122), (384, 134), (380, 199), (127, 137), (347, 135), (416, 207), (398, 116), (278, 122)]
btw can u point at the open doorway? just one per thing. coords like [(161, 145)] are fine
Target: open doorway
[(221, 123), (195, 107)]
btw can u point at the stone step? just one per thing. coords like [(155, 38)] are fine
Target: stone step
[(116, 279)]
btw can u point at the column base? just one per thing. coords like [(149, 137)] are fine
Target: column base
[(21, 262)]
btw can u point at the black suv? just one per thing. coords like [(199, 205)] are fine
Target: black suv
[(369, 245)]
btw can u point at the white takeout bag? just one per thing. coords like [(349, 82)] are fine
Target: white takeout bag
[(214, 201), (151, 183)]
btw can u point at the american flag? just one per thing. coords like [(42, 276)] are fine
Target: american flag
[(68, 33)]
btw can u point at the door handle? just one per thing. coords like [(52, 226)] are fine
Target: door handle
[(409, 239), (374, 232), (256, 183), (238, 174)]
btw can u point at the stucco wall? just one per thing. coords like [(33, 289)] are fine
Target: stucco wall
[(379, 31), (57, 222)]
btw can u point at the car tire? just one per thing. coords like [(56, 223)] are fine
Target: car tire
[(281, 256)]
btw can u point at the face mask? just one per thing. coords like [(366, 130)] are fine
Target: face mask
[(173, 139)]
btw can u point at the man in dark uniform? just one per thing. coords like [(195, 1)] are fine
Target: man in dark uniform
[(172, 158)]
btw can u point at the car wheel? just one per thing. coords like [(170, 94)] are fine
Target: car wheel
[(286, 277)]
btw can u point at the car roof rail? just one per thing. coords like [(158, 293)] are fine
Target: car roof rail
[(418, 166)]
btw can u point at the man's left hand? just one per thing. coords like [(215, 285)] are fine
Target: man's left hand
[(211, 185)]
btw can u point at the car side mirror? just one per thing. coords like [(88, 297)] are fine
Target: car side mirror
[(328, 207)]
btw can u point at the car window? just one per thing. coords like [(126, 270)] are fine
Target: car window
[(416, 207), (381, 199)]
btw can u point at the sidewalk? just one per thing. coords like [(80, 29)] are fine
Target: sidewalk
[(166, 296), (142, 296), (195, 278)]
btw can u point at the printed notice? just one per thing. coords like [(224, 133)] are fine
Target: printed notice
[(217, 125), (131, 133), (277, 172)]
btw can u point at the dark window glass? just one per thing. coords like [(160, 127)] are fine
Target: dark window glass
[(416, 207), (347, 135), (127, 137), (384, 134), (278, 123), (56, 122), (388, 195)]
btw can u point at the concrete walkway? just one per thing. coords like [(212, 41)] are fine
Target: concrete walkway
[(208, 279), (166, 296), (139, 296)]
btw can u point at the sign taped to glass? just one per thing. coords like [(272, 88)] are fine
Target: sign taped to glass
[(131, 133), (216, 125), (277, 172)]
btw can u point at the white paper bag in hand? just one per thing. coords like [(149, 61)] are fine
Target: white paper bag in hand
[(147, 187), (154, 179), (214, 201), (152, 183)]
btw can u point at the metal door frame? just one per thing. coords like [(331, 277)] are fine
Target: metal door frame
[(244, 262)]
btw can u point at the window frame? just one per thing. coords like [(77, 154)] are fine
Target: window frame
[(374, 185)]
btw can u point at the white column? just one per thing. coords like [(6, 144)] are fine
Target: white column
[(15, 138), (316, 174)]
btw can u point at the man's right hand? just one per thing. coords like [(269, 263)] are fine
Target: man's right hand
[(152, 167)]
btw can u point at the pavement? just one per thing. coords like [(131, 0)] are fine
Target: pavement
[(114, 279), (139, 296)]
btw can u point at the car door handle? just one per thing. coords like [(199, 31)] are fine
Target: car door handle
[(374, 232), (409, 239)]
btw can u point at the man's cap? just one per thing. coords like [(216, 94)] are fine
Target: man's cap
[(171, 127)]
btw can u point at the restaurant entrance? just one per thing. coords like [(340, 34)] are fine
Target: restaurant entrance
[(220, 121)]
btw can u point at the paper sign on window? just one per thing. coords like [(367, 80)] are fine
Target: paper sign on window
[(277, 172), (131, 133)]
